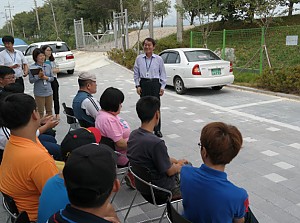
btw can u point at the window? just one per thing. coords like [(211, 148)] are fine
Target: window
[(56, 48), (172, 58), (164, 57), (30, 50), (200, 55)]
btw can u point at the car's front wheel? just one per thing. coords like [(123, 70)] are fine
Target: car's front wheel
[(217, 88), (179, 85), (70, 71)]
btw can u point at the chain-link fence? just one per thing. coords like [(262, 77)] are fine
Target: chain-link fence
[(253, 49)]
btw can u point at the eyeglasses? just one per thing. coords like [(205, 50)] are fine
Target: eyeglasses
[(200, 145), (10, 78)]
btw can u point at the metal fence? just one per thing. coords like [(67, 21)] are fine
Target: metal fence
[(254, 49)]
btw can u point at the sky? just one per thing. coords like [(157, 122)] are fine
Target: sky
[(27, 5)]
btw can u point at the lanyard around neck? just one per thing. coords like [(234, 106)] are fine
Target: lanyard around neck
[(148, 67), (15, 55)]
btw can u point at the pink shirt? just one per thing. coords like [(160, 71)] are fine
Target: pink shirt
[(113, 127)]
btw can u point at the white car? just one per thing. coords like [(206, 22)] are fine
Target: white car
[(196, 68), (64, 58)]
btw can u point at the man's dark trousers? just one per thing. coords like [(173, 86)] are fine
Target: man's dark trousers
[(151, 87), (20, 81)]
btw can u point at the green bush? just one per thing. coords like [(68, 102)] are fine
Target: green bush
[(286, 80), (126, 58)]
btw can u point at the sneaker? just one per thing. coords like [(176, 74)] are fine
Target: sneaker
[(129, 179)]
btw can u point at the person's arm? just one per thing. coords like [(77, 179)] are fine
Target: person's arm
[(240, 220), (33, 78), (122, 144), (49, 124), (175, 168), (49, 75), (25, 70), (162, 73), (91, 106), (137, 77)]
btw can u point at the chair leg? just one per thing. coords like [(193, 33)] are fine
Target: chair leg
[(130, 206), (163, 214)]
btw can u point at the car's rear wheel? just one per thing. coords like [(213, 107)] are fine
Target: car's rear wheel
[(70, 71), (179, 85), (217, 88)]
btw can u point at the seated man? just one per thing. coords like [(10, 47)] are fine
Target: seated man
[(54, 195), (85, 106), (26, 164), (208, 196), (90, 179), (7, 82), (148, 150)]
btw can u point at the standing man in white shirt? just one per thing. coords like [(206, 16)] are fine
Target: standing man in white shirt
[(14, 59), (150, 76)]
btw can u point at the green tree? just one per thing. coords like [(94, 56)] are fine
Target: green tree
[(162, 9)]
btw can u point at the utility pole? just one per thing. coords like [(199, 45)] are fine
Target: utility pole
[(54, 20), (37, 15), (151, 18), (179, 22), (9, 8), (6, 21), (122, 25)]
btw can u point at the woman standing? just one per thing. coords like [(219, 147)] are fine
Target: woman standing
[(42, 82), (54, 84)]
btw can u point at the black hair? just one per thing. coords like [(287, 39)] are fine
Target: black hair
[(16, 110), (149, 39), (4, 70), (83, 83), (51, 58), (37, 52), (8, 39), (146, 107), (111, 99)]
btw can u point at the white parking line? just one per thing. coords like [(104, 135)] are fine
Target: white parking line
[(254, 104), (229, 110)]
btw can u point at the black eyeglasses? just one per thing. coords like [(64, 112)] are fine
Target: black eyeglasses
[(199, 144)]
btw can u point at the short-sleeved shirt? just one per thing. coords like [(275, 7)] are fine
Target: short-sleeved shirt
[(116, 128), (72, 215), (209, 197), (53, 198), (146, 149), (8, 58), (25, 168)]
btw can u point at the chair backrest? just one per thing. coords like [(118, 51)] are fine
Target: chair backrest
[(69, 113), (108, 141), (174, 216), (152, 193), (22, 218), (10, 205)]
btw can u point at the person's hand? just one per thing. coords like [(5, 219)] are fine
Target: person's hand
[(41, 74), (25, 74), (51, 123), (112, 219), (182, 162), (139, 90), (161, 92), (55, 70), (15, 66), (45, 119)]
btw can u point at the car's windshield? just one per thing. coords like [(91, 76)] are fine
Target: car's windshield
[(59, 47), (200, 55)]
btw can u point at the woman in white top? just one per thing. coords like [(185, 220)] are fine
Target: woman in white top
[(54, 84)]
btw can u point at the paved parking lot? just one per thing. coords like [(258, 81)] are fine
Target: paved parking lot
[(268, 164)]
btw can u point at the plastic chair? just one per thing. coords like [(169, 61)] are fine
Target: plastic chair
[(71, 119), (10, 207), (22, 218), (173, 216), (153, 194)]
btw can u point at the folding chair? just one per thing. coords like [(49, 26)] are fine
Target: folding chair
[(10, 207), (71, 119), (153, 194), (22, 218), (173, 216)]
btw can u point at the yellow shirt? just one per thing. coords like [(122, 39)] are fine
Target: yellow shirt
[(25, 168)]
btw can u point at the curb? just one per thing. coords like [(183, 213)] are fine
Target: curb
[(278, 94)]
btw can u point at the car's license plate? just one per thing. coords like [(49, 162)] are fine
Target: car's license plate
[(216, 71)]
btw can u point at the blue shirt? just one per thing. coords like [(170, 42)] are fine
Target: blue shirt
[(53, 198), (149, 68), (41, 87), (209, 197)]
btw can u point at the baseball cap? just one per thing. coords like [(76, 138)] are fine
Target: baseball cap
[(86, 76), (77, 138), (89, 175)]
